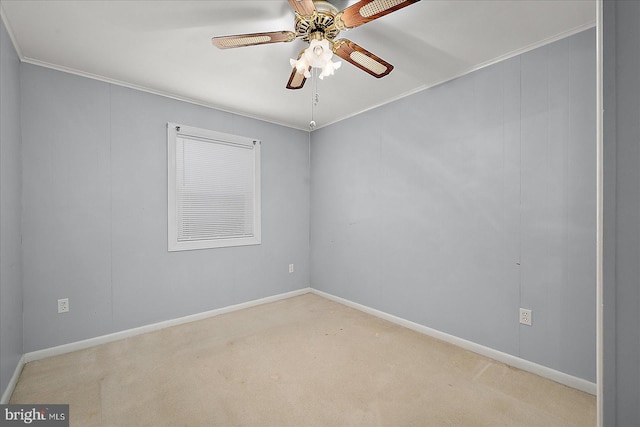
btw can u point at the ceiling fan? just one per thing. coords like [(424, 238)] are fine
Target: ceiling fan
[(318, 23)]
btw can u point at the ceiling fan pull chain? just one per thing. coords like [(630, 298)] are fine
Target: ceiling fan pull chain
[(314, 96)]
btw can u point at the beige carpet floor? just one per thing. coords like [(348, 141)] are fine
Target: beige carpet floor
[(304, 361)]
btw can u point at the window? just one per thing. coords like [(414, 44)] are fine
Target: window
[(214, 189)]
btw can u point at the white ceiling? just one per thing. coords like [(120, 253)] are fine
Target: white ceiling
[(165, 47)]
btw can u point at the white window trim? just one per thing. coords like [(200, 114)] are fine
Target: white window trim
[(173, 131)]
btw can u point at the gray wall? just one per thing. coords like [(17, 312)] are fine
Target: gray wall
[(10, 212), (622, 213), (95, 212), (423, 208)]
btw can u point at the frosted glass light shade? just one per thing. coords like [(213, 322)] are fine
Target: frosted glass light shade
[(317, 55)]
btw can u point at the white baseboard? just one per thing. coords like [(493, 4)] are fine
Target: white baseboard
[(516, 362), (91, 342), (12, 383), (525, 365)]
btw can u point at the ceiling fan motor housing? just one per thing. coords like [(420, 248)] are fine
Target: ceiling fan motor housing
[(321, 23)]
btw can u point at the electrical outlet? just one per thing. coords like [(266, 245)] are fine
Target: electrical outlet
[(290, 268), (525, 316), (63, 305)]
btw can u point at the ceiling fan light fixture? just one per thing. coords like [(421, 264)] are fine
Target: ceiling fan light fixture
[(317, 55), (318, 23)]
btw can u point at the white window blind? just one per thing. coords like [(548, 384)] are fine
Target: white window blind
[(214, 189)]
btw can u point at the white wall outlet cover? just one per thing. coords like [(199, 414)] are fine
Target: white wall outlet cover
[(290, 268), (63, 305), (525, 316)]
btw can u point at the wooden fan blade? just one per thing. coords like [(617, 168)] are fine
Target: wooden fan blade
[(296, 80), (303, 7), (241, 40), (368, 10), (361, 58)]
